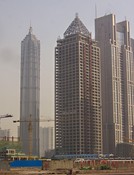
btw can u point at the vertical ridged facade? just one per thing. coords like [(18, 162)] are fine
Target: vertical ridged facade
[(77, 92), (117, 80), (30, 92)]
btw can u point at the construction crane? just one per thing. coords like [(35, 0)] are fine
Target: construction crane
[(5, 116), (30, 129)]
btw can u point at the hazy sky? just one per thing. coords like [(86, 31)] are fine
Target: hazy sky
[(49, 19)]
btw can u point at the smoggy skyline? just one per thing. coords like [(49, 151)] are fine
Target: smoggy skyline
[(49, 20)]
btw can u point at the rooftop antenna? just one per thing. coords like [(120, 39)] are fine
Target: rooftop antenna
[(58, 38), (76, 15), (95, 11), (30, 29)]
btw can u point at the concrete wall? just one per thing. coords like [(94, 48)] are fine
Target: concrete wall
[(57, 164), (4, 166)]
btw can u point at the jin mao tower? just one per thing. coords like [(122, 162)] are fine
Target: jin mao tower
[(30, 92)]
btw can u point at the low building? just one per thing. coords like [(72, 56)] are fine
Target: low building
[(125, 150)]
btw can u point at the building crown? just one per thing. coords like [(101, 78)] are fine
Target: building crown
[(76, 27)]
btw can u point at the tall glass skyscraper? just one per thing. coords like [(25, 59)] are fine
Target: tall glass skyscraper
[(30, 92), (77, 92)]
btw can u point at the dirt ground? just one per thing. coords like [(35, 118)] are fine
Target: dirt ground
[(22, 171)]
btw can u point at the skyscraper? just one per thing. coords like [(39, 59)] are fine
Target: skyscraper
[(117, 80), (77, 92), (30, 92)]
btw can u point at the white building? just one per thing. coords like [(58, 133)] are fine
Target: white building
[(46, 140)]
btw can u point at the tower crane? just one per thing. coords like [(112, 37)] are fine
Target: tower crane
[(5, 116), (30, 121)]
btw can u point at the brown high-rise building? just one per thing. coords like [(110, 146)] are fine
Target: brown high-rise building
[(77, 92), (117, 80)]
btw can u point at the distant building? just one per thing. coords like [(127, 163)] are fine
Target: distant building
[(30, 92), (125, 150), (46, 140), (4, 134), (77, 92), (117, 77)]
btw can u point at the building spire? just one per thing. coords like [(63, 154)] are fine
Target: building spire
[(95, 11), (76, 15), (30, 30)]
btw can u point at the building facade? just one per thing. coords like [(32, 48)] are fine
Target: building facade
[(77, 92), (30, 93), (117, 80), (46, 140)]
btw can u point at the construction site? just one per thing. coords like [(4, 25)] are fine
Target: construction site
[(67, 167), (13, 161)]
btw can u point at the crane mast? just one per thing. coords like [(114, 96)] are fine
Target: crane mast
[(30, 129)]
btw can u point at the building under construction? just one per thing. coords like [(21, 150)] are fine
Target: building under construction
[(77, 92)]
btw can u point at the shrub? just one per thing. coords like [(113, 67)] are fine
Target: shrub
[(104, 167), (86, 168)]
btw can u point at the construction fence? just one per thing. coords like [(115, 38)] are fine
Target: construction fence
[(93, 164)]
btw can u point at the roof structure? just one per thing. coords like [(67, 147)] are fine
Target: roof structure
[(76, 27)]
